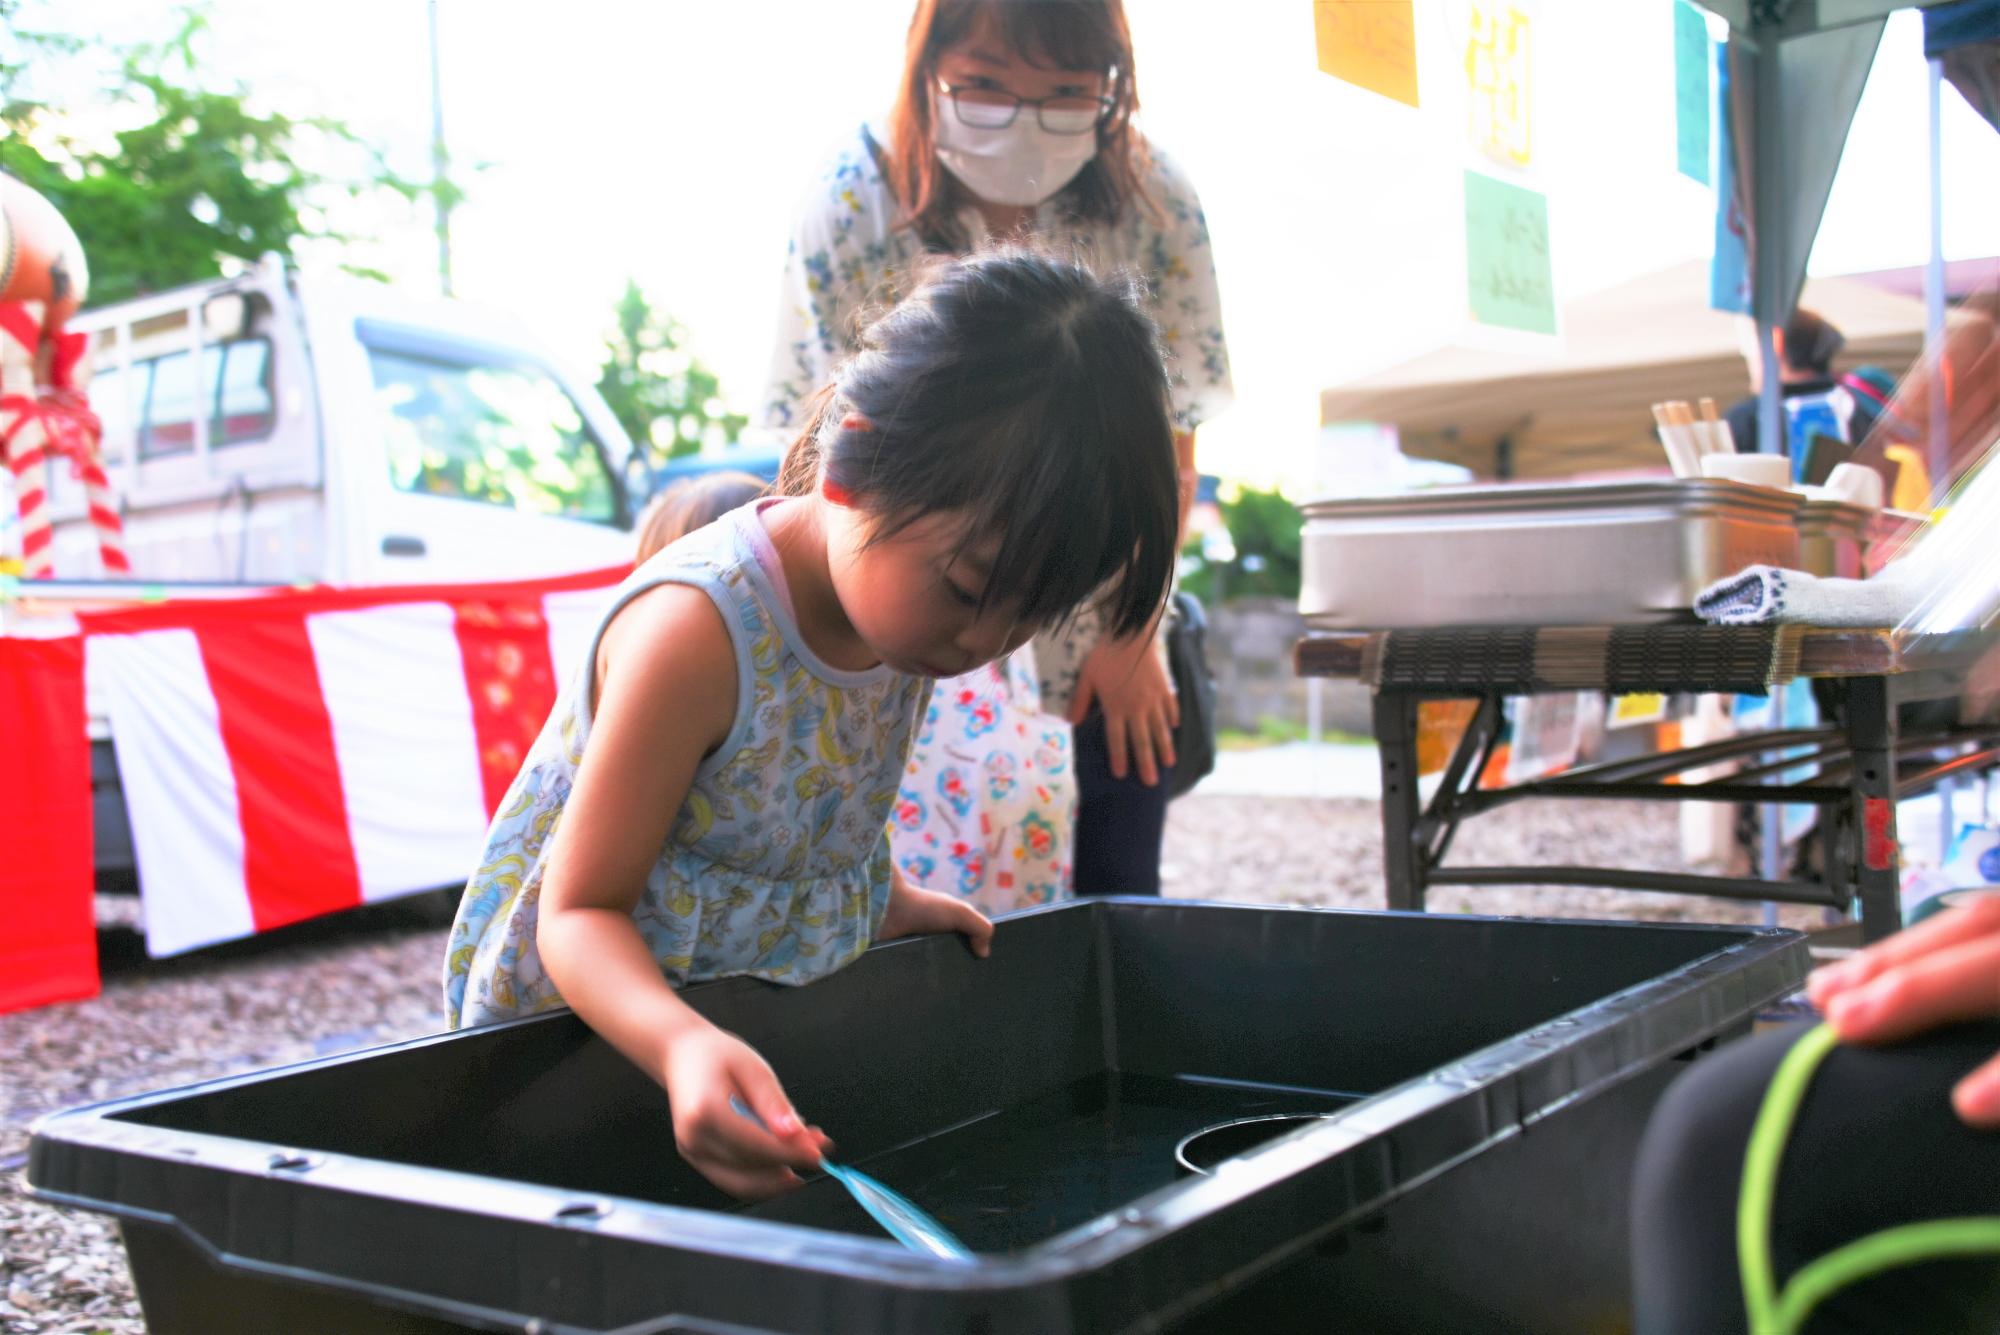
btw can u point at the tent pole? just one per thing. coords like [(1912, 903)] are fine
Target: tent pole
[(1770, 212), (440, 162), (1934, 294)]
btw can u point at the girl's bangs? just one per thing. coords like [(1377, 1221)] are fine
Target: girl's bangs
[(1059, 542), (1061, 539)]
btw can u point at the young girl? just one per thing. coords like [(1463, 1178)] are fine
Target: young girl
[(710, 797)]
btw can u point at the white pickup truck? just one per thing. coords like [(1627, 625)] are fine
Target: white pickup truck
[(275, 429)]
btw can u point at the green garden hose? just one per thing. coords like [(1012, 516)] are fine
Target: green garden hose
[(1775, 1311)]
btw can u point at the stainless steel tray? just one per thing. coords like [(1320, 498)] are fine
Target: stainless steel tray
[(1834, 537), (1575, 554)]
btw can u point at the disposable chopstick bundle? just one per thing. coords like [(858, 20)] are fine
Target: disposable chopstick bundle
[(1720, 441), (1682, 453), (1683, 417)]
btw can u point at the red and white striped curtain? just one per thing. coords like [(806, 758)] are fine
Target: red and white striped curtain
[(48, 946), (299, 753)]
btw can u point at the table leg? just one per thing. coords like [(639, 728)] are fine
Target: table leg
[(1396, 742), (1771, 824), (1871, 732), (1839, 856)]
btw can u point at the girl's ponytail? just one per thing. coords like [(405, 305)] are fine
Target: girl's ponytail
[(798, 474)]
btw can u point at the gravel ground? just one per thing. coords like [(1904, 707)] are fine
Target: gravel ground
[(370, 977), (1329, 854), (353, 982)]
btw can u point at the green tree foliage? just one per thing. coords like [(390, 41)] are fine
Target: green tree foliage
[(668, 402), (195, 174), (1264, 530)]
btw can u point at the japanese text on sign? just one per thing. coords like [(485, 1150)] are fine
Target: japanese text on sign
[(1508, 272), (1497, 82), (1371, 44)]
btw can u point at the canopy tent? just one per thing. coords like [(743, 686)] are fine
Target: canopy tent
[(1796, 71), (1588, 406), (1965, 37)]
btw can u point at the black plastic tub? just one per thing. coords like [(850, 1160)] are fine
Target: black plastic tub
[(1486, 1080)]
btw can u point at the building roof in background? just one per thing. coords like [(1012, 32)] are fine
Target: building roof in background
[(1586, 406), (1961, 278)]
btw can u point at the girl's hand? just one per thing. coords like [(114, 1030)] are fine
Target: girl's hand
[(915, 912), (703, 1069), (1129, 683), (1940, 971)]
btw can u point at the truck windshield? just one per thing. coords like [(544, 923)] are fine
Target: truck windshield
[(505, 435)]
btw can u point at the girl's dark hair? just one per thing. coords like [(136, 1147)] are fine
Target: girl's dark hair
[(693, 503), (1059, 34), (1030, 394)]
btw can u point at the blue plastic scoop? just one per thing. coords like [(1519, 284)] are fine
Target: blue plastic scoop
[(905, 1221)]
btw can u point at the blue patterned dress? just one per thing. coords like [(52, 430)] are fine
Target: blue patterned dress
[(778, 865)]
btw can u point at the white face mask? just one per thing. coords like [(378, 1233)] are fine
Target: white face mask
[(1020, 164)]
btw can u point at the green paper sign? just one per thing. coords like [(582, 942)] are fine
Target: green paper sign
[(1507, 256), (1691, 100)]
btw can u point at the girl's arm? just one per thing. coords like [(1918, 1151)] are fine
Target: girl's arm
[(666, 697)]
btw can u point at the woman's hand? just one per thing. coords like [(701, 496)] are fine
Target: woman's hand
[(703, 1070), (1128, 682), (1942, 970), (915, 912)]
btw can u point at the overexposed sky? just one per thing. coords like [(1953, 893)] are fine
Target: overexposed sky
[(670, 141)]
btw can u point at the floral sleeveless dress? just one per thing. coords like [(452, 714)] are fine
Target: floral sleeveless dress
[(778, 865)]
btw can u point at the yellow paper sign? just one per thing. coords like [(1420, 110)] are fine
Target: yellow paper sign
[(1371, 44), (1496, 79), (1627, 710)]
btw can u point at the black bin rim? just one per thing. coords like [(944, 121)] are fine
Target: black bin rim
[(1431, 1120)]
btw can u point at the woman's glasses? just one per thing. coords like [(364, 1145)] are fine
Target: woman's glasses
[(996, 108)]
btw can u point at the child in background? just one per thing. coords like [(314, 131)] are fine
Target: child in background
[(987, 809), (710, 797), (693, 503)]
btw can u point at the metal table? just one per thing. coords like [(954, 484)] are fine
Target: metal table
[(1861, 762)]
